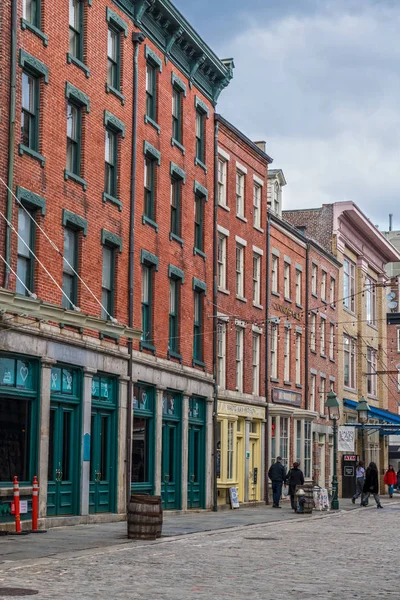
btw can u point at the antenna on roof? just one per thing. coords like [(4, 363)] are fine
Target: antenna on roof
[(390, 222)]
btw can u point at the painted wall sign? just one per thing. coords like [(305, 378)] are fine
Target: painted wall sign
[(280, 396), (241, 409), (286, 311), (349, 471)]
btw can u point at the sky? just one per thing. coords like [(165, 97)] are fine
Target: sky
[(319, 81)]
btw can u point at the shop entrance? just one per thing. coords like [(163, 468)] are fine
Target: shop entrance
[(349, 463), (171, 452), (196, 454)]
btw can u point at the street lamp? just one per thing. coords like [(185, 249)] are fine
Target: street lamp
[(332, 404), (363, 410)]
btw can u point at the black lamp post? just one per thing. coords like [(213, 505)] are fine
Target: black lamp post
[(363, 410), (332, 404)]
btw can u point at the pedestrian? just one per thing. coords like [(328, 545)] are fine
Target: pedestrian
[(294, 478), (390, 479), (371, 486), (360, 477), (277, 474), (398, 479)]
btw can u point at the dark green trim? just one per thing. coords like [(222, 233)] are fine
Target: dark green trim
[(176, 273), (178, 83), (177, 172), (150, 121), (199, 363), (111, 239), (173, 236), (199, 252), (78, 63), (76, 178), (147, 346), (148, 221), (109, 336), (153, 58), (176, 355), (32, 64), (26, 25), (148, 258), (31, 200), (111, 90), (199, 285), (152, 152), (70, 219), (200, 163), (76, 96), (113, 19), (175, 142), (108, 198), (22, 149), (112, 122), (200, 190), (201, 106)]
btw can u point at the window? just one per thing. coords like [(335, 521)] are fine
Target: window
[(240, 193), (314, 276), (274, 274), (230, 447), (286, 355), (70, 278), (313, 385), (149, 187), (151, 91), (257, 205), (370, 298), (322, 395), (332, 291), (274, 351), (76, 29), (176, 187), (177, 115), (200, 136), (173, 343), (256, 279), (284, 440), (74, 130), (111, 167), (142, 436), (349, 351), (199, 222), (25, 262), (239, 359), (222, 168), (30, 12), (221, 351), (298, 358), (349, 285), (332, 341), (256, 364), (323, 285), (307, 449), (371, 370), (221, 261), (286, 280), (147, 304), (198, 326), (323, 336), (313, 336), (30, 112), (17, 427), (276, 200), (239, 271), (107, 286), (113, 59), (298, 287)]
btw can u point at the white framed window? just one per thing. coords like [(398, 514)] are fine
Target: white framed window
[(332, 341), (323, 336), (298, 358), (276, 202), (323, 285), (256, 363), (230, 447), (286, 355), (256, 279), (274, 351), (257, 205), (222, 169), (349, 353), (314, 277), (284, 440), (349, 285), (221, 351), (240, 179), (239, 359), (371, 370), (239, 271), (274, 274), (221, 261), (299, 277), (286, 280), (313, 332), (307, 449), (331, 386), (370, 300), (322, 386), (332, 291), (313, 386)]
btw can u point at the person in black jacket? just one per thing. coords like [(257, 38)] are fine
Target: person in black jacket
[(371, 485), (277, 474), (294, 477)]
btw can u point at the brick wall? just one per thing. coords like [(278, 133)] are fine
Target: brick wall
[(317, 223)]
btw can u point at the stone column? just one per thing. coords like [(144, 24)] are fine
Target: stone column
[(122, 443), (185, 451), (45, 390), (263, 466), (209, 457), (88, 374), (158, 441), (246, 460)]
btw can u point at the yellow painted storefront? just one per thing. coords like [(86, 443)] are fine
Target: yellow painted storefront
[(240, 450)]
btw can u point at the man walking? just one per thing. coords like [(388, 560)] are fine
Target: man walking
[(277, 474), (360, 479)]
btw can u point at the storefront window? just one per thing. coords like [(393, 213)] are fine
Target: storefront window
[(219, 450), (230, 449), (15, 417), (273, 439), (298, 441), (284, 440), (143, 438), (140, 450), (307, 449)]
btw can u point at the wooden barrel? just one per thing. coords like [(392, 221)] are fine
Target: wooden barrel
[(308, 496), (145, 517)]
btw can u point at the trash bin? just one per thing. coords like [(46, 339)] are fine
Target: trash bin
[(145, 517), (308, 497)]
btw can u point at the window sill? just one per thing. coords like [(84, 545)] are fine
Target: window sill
[(108, 336), (323, 416), (26, 25), (274, 380), (224, 207), (22, 149), (76, 178), (199, 252), (349, 389), (299, 306), (277, 294), (199, 363), (373, 326), (175, 142), (150, 121), (108, 198), (323, 355), (260, 229), (313, 351), (287, 300), (176, 238), (350, 312), (332, 360), (200, 163), (287, 383), (260, 306), (241, 218), (241, 298), (224, 291), (148, 221), (78, 63), (112, 90), (175, 355), (372, 397), (147, 346), (314, 295), (299, 386)]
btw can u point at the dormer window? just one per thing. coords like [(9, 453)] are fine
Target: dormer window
[(276, 200)]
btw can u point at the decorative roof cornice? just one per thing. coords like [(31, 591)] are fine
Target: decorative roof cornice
[(168, 29), (244, 138)]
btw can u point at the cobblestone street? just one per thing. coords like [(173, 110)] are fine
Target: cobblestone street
[(347, 555)]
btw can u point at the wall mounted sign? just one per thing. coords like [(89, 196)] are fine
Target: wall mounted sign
[(286, 311), (280, 396), (346, 439), (245, 410)]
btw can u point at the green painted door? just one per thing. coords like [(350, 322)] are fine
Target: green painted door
[(102, 462), (170, 465), (195, 466), (63, 473)]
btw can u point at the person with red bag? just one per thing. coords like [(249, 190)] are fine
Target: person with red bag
[(390, 480)]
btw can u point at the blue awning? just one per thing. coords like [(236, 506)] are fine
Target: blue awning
[(375, 413)]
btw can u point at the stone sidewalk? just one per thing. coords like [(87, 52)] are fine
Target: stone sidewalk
[(87, 537)]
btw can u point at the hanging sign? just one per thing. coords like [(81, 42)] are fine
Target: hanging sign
[(346, 439)]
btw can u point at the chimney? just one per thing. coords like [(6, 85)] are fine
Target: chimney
[(390, 222), (262, 145)]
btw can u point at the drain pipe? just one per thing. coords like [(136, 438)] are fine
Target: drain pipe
[(267, 286), (215, 319), (307, 345), (137, 38), (11, 137)]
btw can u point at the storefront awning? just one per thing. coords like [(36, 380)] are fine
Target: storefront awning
[(375, 413)]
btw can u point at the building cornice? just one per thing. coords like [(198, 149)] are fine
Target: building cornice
[(220, 119)]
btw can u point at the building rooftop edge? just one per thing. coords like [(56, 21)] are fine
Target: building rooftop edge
[(220, 119)]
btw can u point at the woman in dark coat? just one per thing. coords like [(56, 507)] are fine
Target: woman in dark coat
[(371, 485), (293, 478)]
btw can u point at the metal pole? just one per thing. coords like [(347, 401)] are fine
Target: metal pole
[(363, 443), (335, 499)]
